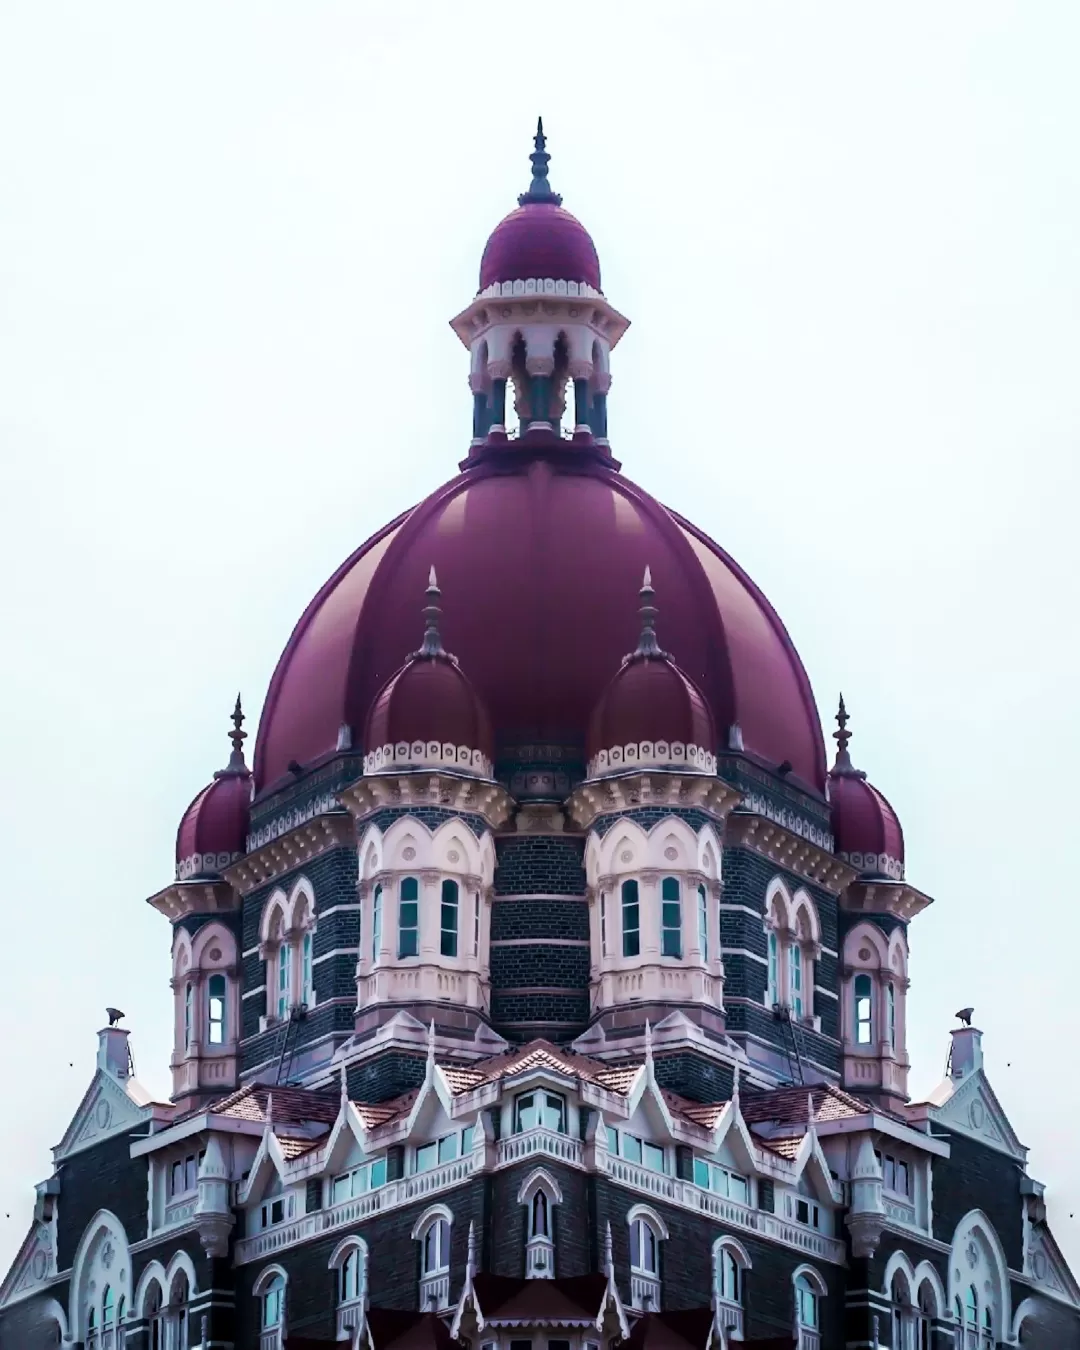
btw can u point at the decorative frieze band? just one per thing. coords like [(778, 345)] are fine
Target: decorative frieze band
[(652, 755), (427, 754), (541, 286)]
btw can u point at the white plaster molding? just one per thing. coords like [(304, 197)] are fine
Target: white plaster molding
[(972, 1109), (652, 755), (107, 1109), (407, 755)]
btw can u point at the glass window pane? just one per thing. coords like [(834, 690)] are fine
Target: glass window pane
[(630, 919), (448, 1148), (449, 933), (701, 1174), (654, 1157), (427, 1155), (631, 1148), (378, 1173), (740, 1189)]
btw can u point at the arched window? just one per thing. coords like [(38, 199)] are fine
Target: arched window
[(284, 979), (448, 938), (189, 1006), (215, 991), (971, 1306), (152, 1311), (670, 917), (797, 980), (179, 1296), (927, 1312), (273, 1304), (901, 1313), (644, 1248), (376, 923), (958, 1316), (409, 917), (539, 1216), (476, 924), (435, 1251), (603, 923), (307, 980), (703, 921), (890, 1007), (349, 1277), (349, 1264), (108, 1308), (772, 987), (730, 1263), (864, 996), (539, 1194), (806, 1303), (987, 1328), (631, 920)]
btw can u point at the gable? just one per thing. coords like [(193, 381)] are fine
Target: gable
[(33, 1266), (1048, 1268), (974, 1110), (105, 1110)]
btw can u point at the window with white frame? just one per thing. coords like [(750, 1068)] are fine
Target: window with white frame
[(448, 934), (284, 981), (928, 1306), (349, 1264), (367, 1176), (807, 1303), (177, 1315), (276, 1208), (895, 1174), (307, 971), (216, 990), (447, 1148), (647, 1231), (435, 1248), (711, 1176), (183, 1174), (863, 993), (539, 1194), (376, 922), (476, 924), (432, 1234), (603, 924), (890, 1014), (408, 917), (703, 922), (539, 1110), (631, 919), (772, 979), (153, 1311), (189, 1013), (670, 917), (637, 1150), (644, 1247), (270, 1290), (730, 1263), (804, 1210), (797, 1000)]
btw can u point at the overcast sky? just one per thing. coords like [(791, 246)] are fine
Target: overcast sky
[(231, 236)]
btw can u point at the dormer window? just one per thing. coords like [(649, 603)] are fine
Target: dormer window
[(184, 1175), (806, 1212), (711, 1176), (636, 1150), (447, 1148), (369, 1176), (540, 1110), (409, 918), (895, 1174), (670, 917)]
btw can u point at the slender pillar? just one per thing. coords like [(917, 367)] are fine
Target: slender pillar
[(541, 369)]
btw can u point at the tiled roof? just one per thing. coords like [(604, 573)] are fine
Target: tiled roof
[(374, 1114), (503, 1298), (293, 1148), (705, 1114), (289, 1104), (541, 1054), (786, 1148), (788, 1105)]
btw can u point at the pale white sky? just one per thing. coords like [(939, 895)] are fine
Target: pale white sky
[(848, 236)]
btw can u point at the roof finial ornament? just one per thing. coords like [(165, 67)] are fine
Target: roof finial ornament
[(344, 1086), (809, 1111), (648, 1044), (238, 736), (432, 644), (609, 1260), (647, 643), (470, 1257), (843, 765), (269, 1110), (735, 1085), (540, 188), (431, 1043)]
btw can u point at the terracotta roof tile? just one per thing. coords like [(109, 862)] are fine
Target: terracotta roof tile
[(375, 1114), (786, 1148), (788, 1106), (289, 1104), (541, 1054), (292, 1148), (705, 1114)]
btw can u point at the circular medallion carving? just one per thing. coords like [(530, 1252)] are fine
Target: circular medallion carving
[(453, 856), (1038, 1265), (41, 1261), (977, 1114), (671, 854), (103, 1113), (865, 954), (626, 856), (972, 1253), (214, 953), (408, 854)]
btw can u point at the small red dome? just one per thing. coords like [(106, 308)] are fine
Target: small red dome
[(866, 830), (540, 240), (213, 831), (651, 714), (428, 712)]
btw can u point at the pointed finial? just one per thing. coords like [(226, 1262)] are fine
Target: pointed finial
[(540, 188), (843, 765), (647, 643), (238, 736), (609, 1260), (269, 1108), (431, 1042), (648, 1042), (809, 1110), (735, 1084), (432, 643), (470, 1256), (344, 1086)]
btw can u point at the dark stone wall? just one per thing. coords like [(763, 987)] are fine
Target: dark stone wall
[(507, 1221), (102, 1177), (385, 1076), (25, 1325), (978, 1177), (694, 1076)]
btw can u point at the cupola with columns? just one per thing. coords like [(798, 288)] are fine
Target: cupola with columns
[(540, 330)]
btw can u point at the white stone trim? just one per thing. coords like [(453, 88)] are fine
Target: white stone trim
[(652, 755), (540, 286), (197, 863), (876, 862), (427, 754)]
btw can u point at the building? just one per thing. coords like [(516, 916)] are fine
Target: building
[(539, 986)]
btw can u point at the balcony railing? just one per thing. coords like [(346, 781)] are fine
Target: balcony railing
[(179, 1211), (350, 1318), (271, 1339), (901, 1211), (542, 1140), (435, 1292), (809, 1339), (391, 1196), (644, 1292), (730, 1318), (689, 1196)]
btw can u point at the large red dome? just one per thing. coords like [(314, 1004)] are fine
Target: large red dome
[(540, 240), (539, 553)]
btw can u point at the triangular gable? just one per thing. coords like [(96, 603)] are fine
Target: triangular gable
[(811, 1160), (347, 1133), (268, 1160), (1048, 1268), (33, 1267), (974, 1110), (731, 1132), (106, 1110)]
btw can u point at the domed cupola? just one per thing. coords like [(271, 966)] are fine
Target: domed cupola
[(651, 715), (540, 240), (428, 715), (866, 830), (213, 831)]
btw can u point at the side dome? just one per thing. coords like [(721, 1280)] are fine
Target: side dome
[(213, 831), (651, 715), (428, 714), (866, 830), (540, 241)]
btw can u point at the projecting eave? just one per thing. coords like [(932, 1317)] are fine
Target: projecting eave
[(184, 898), (291, 849), (206, 1122), (883, 896), (877, 1123), (650, 787), (788, 849)]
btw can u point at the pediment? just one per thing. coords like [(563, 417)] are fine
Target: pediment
[(33, 1267), (974, 1110), (106, 1110), (1048, 1268)]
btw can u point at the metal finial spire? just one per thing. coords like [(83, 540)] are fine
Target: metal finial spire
[(344, 1085), (647, 643), (540, 188), (432, 644), (843, 765), (237, 736), (735, 1085)]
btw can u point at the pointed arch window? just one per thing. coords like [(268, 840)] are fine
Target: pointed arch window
[(772, 990), (307, 974), (476, 924), (797, 1002), (409, 917), (647, 1231), (730, 1262), (349, 1262), (432, 1232), (153, 1314), (603, 923), (890, 1009), (703, 922), (448, 936), (273, 1304), (284, 980), (189, 1013), (670, 917), (539, 1216), (864, 1019), (806, 1303), (926, 1313), (644, 1248), (631, 919), (376, 922), (215, 991)]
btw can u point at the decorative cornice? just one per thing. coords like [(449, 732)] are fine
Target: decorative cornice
[(789, 850), (475, 796), (540, 286), (884, 897), (201, 864), (884, 863), (652, 755), (184, 898), (539, 300), (407, 755), (291, 817), (291, 850), (606, 796)]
